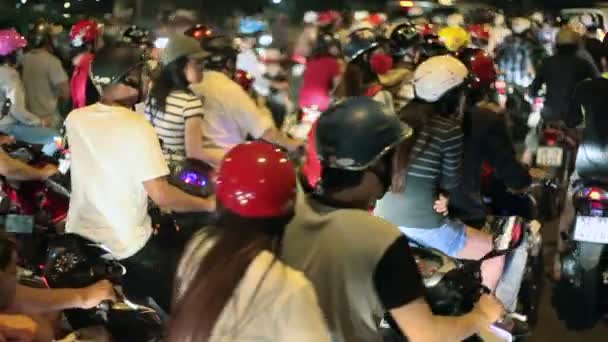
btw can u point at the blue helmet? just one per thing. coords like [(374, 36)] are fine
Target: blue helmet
[(249, 26)]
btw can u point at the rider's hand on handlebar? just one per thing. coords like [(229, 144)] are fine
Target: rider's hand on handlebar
[(97, 293), (490, 309), (17, 328)]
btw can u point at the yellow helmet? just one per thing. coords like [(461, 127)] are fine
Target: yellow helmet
[(454, 38)]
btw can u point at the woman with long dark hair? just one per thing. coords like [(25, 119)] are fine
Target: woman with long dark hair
[(230, 284), (417, 202), (172, 108)]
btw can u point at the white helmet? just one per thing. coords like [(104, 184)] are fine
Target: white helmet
[(455, 19), (520, 25), (310, 17), (438, 75)]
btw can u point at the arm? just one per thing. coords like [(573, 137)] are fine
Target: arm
[(576, 109), (167, 196), (401, 294), (33, 301), (451, 163), (193, 131), (538, 82), (260, 125), (194, 139), (18, 170), (419, 324), (18, 110), (501, 155), (59, 78)]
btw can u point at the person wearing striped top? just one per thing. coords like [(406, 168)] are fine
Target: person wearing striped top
[(425, 173), (172, 108)]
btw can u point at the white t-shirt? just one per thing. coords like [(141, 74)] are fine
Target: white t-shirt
[(42, 73), (113, 151), (170, 123), (283, 308), (11, 88), (230, 114), (250, 62)]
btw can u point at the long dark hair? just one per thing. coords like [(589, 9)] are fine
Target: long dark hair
[(357, 78), (236, 243), (172, 77)]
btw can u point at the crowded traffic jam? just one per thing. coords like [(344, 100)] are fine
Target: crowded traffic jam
[(393, 171)]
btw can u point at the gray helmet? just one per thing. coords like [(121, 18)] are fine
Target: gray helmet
[(355, 133), (113, 63)]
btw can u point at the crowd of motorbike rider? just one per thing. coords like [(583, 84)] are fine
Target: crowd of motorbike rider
[(408, 119)]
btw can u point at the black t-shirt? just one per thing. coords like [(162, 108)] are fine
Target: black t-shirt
[(396, 278), (486, 139)]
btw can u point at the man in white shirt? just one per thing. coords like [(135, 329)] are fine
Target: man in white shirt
[(231, 115), (117, 163)]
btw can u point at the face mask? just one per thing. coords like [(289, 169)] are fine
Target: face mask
[(381, 63)]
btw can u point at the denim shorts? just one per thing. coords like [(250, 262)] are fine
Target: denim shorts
[(450, 238)]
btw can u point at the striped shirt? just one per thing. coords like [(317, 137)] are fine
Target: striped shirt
[(437, 166), (170, 124)]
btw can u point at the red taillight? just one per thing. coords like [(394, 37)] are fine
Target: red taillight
[(595, 194), (551, 136)]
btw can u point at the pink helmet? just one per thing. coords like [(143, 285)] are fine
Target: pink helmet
[(11, 41)]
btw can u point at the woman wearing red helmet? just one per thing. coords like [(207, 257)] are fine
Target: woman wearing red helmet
[(230, 284), (85, 39)]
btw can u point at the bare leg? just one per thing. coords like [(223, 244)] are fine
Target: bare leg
[(477, 246)]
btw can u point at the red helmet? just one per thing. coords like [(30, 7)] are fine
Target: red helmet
[(199, 31), (244, 79), (83, 32), (480, 65), (480, 32), (329, 17), (257, 180)]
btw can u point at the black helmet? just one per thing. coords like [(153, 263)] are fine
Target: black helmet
[(40, 34), (402, 36), (324, 42), (355, 133), (138, 36), (199, 31), (359, 42), (221, 49), (113, 63)]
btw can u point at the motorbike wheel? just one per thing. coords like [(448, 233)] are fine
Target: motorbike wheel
[(576, 301)]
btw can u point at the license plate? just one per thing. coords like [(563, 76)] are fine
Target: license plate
[(549, 156), (591, 229)]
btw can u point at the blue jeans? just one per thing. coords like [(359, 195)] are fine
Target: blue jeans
[(33, 135), (449, 239)]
